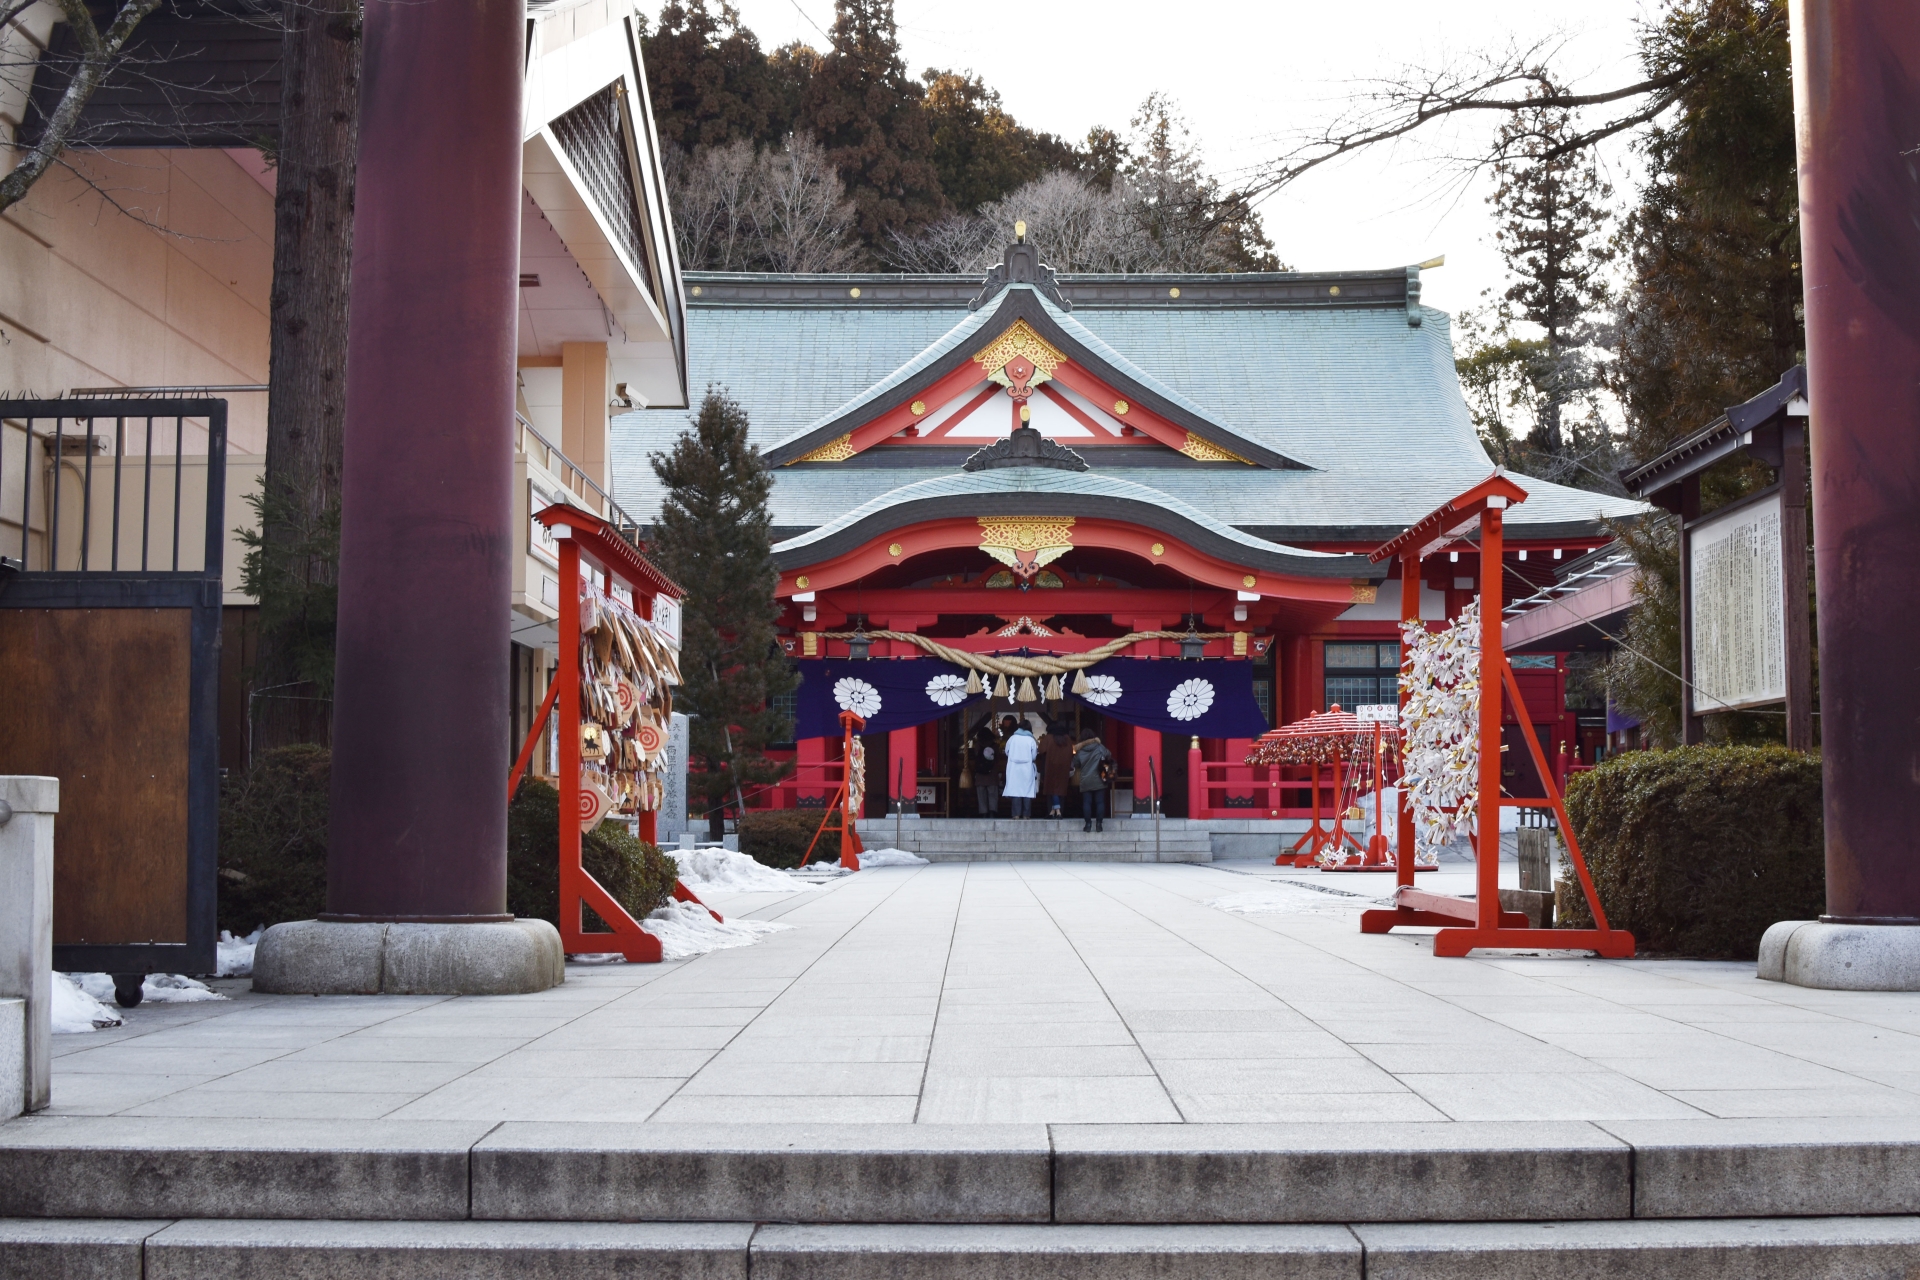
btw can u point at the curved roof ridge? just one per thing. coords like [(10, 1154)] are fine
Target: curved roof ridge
[(1037, 481)]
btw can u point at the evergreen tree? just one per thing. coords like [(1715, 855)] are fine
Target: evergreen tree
[(868, 113), (1553, 218), (709, 82), (981, 153), (1713, 311), (712, 537)]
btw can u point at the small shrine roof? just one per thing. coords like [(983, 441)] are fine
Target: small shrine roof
[(1047, 491)]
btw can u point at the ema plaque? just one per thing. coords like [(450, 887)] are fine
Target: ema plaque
[(1737, 608)]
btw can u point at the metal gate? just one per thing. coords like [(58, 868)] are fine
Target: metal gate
[(111, 548)]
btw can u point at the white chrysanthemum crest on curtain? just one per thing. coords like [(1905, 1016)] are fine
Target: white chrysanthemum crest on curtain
[(857, 696), (1441, 721), (1190, 699)]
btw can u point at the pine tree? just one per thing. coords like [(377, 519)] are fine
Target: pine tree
[(1713, 312), (712, 537), (1552, 233), (708, 80), (979, 151), (868, 113)]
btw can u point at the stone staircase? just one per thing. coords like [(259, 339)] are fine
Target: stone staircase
[(1041, 839), (123, 1198)]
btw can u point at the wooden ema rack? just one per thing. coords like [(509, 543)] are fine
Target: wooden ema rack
[(1466, 924), (841, 805), (585, 539)]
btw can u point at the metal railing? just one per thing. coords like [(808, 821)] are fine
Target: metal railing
[(64, 448), (576, 480), (1579, 577)]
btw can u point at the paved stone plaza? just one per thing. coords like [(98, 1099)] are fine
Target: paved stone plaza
[(994, 993)]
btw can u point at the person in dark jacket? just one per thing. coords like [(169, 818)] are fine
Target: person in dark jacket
[(985, 752), (1056, 768), (1094, 766)]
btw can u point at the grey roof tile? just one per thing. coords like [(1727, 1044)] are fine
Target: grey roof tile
[(1369, 401)]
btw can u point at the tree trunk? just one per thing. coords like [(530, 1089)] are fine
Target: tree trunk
[(312, 254)]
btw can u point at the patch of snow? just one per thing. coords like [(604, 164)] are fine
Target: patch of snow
[(174, 988), (889, 858), (596, 957), (75, 1011), (161, 988), (236, 954), (1282, 898), (723, 871), (686, 929)]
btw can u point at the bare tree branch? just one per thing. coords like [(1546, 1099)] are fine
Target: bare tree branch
[(1394, 109), (98, 51)]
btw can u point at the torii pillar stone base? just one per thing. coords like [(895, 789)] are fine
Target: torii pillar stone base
[(417, 841)]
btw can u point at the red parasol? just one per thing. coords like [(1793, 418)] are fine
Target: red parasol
[(1320, 738)]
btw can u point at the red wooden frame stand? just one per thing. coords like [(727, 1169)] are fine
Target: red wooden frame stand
[(842, 803), (1466, 924), (585, 540)]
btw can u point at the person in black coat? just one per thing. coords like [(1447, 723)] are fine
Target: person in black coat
[(986, 757), (1094, 766)]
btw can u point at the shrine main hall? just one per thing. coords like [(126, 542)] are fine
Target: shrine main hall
[(1038, 464)]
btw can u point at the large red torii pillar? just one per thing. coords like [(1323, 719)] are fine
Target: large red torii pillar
[(1856, 100), (416, 864)]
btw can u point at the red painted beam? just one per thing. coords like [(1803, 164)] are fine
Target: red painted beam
[(941, 535)]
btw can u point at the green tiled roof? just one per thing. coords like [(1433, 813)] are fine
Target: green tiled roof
[(1369, 402)]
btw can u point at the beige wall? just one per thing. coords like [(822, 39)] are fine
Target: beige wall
[(171, 292)]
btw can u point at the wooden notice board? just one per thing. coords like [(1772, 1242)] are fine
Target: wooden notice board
[(99, 698)]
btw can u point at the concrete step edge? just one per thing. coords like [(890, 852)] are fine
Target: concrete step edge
[(125, 1168), (216, 1249)]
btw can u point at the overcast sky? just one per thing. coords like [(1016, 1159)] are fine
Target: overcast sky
[(1249, 74)]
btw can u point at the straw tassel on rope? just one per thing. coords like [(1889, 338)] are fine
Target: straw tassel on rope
[(1026, 689), (1051, 665)]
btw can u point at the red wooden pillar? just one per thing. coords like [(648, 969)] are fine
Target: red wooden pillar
[(1196, 781), (1487, 843), (810, 769), (420, 751), (1856, 75), (1146, 747), (903, 764), (1409, 612)]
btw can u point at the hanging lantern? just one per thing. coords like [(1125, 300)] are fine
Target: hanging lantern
[(858, 644), (1191, 645)]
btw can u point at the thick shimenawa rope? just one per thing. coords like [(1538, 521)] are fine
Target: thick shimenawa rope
[(1051, 665)]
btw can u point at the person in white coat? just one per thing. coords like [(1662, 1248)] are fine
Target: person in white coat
[(1023, 776)]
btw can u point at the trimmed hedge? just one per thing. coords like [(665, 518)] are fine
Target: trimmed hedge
[(1699, 849), (636, 873), (273, 848), (273, 839), (779, 837)]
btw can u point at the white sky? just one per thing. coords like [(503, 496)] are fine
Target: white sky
[(1248, 74)]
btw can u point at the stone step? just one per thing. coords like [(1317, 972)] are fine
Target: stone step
[(117, 1167), (226, 1249)]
